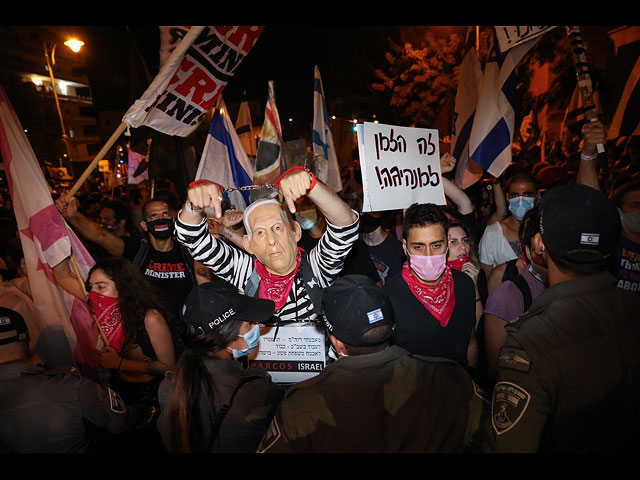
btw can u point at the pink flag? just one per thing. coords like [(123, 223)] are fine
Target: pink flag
[(46, 241)]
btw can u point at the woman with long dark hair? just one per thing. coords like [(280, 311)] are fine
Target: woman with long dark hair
[(142, 337), (211, 402)]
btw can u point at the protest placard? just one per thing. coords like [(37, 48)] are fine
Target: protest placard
[(509, 37), (400, 166), (296, 353)]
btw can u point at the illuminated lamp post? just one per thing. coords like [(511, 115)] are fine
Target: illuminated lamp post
[(75, 46)]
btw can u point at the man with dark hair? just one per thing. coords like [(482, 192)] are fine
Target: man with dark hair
[(115, 217), (166, 264), (435, 305), (569, 371), (376, 397)]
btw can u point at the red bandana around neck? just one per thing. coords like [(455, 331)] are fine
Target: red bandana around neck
[(438, 299), (109, 318), (276, 287)]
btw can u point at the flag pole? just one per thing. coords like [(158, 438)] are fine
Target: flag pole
[(95, 161), (78, 275), (584, 78)]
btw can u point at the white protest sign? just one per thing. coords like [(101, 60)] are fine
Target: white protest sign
[(296, 353), (509, 37), (400, 166)]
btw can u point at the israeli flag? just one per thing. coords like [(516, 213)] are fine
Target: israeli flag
[(224, 160), (467, 172), (494, 119), (325, 165)]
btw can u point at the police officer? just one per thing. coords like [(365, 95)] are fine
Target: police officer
[(53, 411), (376, 397), (569, 371)]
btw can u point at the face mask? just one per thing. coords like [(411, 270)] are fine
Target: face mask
[(307, 219), (631, 221), (108, 228), (428, 268), (520, 205), (161, 229), (369, 223), (101, 303), (252, 338), (458, 262)]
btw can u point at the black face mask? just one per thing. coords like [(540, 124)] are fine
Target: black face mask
[(368, 223), (160, 229)]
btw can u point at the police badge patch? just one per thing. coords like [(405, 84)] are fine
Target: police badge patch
[(509, 404), (271, 436)]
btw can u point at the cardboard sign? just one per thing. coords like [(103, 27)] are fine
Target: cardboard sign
[(297, 352), (509, 37), (400, 166)]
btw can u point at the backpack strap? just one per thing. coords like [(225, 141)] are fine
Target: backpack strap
[(524, 288), (141, 254)]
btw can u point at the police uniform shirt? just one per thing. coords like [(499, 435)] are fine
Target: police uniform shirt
[(569, 372)]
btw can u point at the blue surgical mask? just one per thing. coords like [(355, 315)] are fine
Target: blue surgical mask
[(252, 338), (520, 205), (307, 219)]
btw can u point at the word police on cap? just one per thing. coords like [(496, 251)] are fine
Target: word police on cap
[(222, 318)]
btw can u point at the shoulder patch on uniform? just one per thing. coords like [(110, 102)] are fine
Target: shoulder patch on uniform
[(510, 401), (271, 436), (514, 358), (116, 402)]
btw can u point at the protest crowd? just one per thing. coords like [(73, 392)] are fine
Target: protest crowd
[(504, 320)]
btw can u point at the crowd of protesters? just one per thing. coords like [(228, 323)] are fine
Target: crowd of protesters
[(504, 321)]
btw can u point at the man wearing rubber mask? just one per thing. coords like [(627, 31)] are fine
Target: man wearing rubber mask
[(434, 304), (272, 266)]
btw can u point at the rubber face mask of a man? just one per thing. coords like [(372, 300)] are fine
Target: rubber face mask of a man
[(271, 238)]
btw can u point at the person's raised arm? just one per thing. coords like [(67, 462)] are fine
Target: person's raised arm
[(593, 134), (201, 195), (451, 190), (299, 182), (88, 229)]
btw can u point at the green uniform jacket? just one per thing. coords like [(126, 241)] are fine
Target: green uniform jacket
[(390, 401), (569, 372)]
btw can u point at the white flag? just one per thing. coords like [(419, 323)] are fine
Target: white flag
[(325, 163), (192, 78), (494, 120), (467, 172)]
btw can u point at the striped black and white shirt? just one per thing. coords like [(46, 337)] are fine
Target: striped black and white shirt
[(236, 266)]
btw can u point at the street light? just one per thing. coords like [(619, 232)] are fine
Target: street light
[(74, 45)]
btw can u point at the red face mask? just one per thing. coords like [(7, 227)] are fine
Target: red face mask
[(458, 262), (108, 314)]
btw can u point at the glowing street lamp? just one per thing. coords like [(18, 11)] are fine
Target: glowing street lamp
[(75, 46)]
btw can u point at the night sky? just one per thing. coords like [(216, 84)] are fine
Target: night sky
[(345, 55)]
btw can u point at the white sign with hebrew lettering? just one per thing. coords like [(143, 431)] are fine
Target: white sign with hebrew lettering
[(400, 166)]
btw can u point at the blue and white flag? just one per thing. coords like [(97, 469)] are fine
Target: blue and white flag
[(626, 121), (494, 120), (224, 160), (467, 171), (325, 164)]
